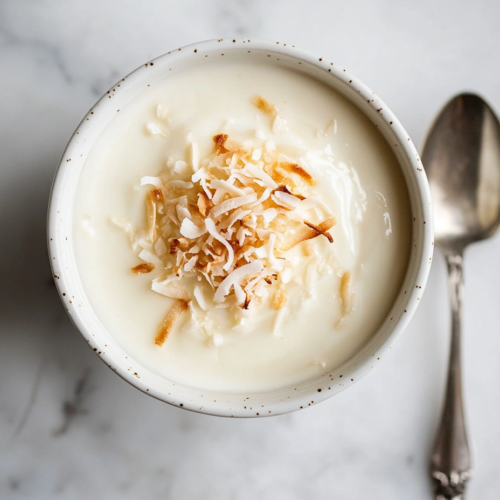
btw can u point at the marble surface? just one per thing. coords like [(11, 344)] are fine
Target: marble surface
[(69, 427)]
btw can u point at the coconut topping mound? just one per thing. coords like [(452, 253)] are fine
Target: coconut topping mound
[(221, 237)]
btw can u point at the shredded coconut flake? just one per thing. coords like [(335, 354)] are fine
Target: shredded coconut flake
[(231, 204), (161, 112), (256, 154), (189, 230), (154, 130), (198, 294), (280, 126), (235, 277), (287, 199), (254, 171), (180, 166), (190, 264), (235, 216), (210, 225), (195, 156), (147, 256), (227, 187)]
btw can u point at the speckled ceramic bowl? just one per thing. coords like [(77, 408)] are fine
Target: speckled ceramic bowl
[(237, 405)]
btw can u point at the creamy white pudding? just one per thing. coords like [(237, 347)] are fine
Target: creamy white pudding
[(234, 349)]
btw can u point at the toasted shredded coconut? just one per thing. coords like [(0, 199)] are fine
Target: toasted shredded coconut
[(255, 171), (307, 232), (210, 225), (231, 204), (228, 188), (204, 204), (182, 212), (293, 168), (189, 230), (345, 294), (223, 232), (319, 230), (280, 299), (166, 326), (144, 268), (263, 105), (237, 275), (287, 199), (235, 216), (188, 266), (153, 198)]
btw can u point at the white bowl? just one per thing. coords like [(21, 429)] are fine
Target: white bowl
[(237, 405)]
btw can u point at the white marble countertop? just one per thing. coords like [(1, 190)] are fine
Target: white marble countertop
[(70, 428)]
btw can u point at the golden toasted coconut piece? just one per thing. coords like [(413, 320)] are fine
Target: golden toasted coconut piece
[(280, 299), (307, 232), (319, 230), (144, 268), (265, 106), (345, 294), (219, 141), (240, 251), (169, 321), (153, 197), (248, 299), (284, 189), (293, 168), (204, 204), (177, 244), (269, 279)]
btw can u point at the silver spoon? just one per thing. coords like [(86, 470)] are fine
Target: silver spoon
[(462, 160)]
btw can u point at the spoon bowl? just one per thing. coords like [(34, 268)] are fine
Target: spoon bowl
[(462, 160)]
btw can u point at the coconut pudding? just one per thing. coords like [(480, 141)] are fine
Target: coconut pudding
[(241, 227)]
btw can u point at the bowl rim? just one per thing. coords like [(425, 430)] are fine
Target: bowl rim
[(60, 256)]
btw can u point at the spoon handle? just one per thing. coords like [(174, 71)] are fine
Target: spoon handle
[(451, 462)]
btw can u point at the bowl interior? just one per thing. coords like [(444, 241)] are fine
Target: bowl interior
[(247, 405)]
